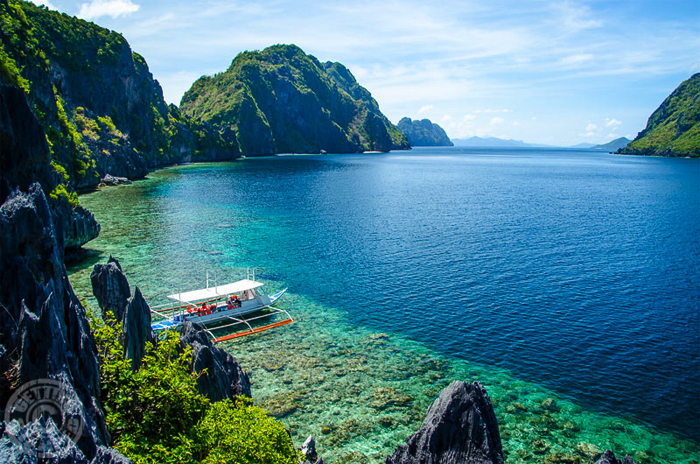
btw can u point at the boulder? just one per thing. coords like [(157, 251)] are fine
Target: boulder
[(136, 329), (460, 427), (224, 377), (111, 289)]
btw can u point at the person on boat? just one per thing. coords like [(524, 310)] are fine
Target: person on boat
[(203, 309), (236, 301), (229, 302)]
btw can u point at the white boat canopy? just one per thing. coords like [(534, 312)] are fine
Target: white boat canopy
[(215, 292)]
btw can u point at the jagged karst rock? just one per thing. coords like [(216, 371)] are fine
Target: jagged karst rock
[(224, 377), (44, 331), (26, 159), (68, 63), (41, 441), (309, 450), (460, 427), (136, 329), (44, 328), (609, 458), (111, 289)]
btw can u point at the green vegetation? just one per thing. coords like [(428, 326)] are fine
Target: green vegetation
[(281, 100), (424, 132), (156, 415), (64, 65), (674, 128)]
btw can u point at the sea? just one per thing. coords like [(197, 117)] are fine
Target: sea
[(566, 281)]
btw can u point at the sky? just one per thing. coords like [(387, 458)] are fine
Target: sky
[(551, 72)]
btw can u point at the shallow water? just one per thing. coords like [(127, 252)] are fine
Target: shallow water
[(565, 281)]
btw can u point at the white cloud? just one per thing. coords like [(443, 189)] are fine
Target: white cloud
[(612, 122), (577, 59), (496, 120), (113, 8), (469, 117), (591, 127), (45, 3), (425, 108)]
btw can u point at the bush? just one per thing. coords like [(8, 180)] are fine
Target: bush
[(156, 415)]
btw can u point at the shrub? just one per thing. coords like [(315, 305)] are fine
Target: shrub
[(156, 415)]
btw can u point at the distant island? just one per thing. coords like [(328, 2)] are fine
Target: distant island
[(424, 133), (281, 100), (613, 145), (674, 128)]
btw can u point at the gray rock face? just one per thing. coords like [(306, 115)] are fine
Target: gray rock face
[(44, 331), (111, 288), (41, 441), (309, 450), (136, 329), (224, 377), (43, 327), (460, 427), (609, 458), (26, 159)]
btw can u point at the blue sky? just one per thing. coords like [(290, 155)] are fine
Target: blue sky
[(554, 72)]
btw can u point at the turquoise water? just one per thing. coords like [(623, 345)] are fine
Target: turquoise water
[(565, 281)]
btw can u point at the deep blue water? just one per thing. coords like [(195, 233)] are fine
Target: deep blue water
[(577, 270)]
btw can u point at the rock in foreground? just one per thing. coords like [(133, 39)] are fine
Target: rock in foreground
[(224, 377), (460, 427)]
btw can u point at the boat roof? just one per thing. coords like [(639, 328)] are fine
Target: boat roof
[(215, 292)]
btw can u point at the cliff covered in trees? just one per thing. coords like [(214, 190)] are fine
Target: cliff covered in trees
[(281, 100)]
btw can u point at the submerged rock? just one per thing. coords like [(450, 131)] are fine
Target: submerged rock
[(224, 377), (460, 427), (609, 458), (136, 329), (111, 289)]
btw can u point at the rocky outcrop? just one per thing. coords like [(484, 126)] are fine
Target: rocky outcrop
[(424, 132), (26, 159), (224, 377), (111, 289), (281, 100), (97, 101), (609, 458), (309, 450), (136, 329), (44, 331), (460, 428), (42, 441)]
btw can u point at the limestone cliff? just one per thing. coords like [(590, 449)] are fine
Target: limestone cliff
[(674, 128), (281, 100), (101, 109), (424, 132)]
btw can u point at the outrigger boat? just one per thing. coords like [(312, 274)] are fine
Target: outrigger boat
[(208, 308)]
